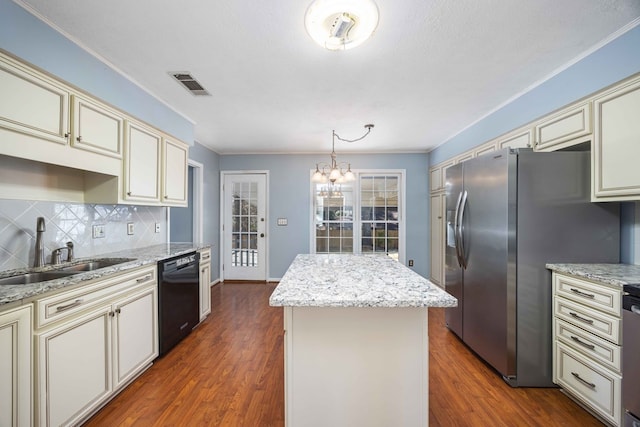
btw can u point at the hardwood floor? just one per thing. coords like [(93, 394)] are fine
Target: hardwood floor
[(230, 372)]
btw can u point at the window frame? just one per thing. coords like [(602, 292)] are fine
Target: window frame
[(357, 208)]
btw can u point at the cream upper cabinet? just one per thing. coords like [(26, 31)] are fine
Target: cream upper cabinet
[(142, 164), (96, 127), (174, 173), (568, 127), (16, 403), (522, 138), (616, 144), (437, 176), (484, 149), (437, 239), (31, 104)]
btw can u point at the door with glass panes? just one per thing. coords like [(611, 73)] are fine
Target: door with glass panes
[(244, 227)]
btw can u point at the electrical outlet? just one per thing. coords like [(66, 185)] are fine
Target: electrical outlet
[(97, 231), (157, 227), (129, 228), (410, 263), (282, 221)]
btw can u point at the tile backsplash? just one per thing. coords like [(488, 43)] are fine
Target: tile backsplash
[(73, 222)]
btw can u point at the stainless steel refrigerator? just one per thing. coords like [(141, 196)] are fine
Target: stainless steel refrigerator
[(508, 213)]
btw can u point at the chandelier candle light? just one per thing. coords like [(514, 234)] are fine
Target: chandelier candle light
[(334, 172)]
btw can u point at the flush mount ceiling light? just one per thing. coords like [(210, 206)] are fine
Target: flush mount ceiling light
[(341, 24), (335, 172)]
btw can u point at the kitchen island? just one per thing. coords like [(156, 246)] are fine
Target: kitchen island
[(356, 341)]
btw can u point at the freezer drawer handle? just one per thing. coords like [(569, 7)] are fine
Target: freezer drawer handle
[(580, 318), (585, 382), (582, 294), (582, 343)]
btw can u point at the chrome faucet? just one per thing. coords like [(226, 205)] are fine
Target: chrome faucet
[(40, 229)]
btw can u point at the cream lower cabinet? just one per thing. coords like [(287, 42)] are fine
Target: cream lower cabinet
[(587, 344), (16, 402), (205, 283), (437, 238), (93, 341), (616, 144)]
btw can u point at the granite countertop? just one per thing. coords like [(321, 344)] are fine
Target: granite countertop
[(132, 258), (345, 280), (612, 274)]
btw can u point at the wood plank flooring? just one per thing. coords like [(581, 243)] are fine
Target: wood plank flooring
[(229, 372)]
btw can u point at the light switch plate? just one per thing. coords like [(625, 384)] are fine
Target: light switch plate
[(97, 231), (129, 228), (157, 227)]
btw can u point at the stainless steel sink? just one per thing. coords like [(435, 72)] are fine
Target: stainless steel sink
[(27, 278), (96, 264)]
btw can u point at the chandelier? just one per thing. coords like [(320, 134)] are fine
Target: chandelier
[(337, 172)]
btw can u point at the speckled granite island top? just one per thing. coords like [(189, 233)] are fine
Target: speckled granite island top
[(132, 258), (612, 274), (345, 280)]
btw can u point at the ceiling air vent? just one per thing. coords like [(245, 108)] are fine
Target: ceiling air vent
[(190, 83)]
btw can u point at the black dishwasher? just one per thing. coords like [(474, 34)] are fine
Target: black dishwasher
[(178, 298), (630, 352)]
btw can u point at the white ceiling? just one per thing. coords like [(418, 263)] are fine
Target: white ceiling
[(431, 69)]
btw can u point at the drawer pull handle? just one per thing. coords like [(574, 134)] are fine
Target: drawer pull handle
[(205, 257), (585, 382), (582, 319), (582, 343), (582, 294), (68, 306), (143, 279)]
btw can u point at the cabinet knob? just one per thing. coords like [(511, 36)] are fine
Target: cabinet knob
[(66, 135), (128, 193), (118, 311), (79, 138)]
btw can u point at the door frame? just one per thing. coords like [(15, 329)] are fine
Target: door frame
[(198, 204), (223, 175)]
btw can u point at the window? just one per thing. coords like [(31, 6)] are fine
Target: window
[(363, 216)]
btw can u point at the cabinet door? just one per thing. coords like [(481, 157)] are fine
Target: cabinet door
[(437, 239), (568, 127), (135, 335), (518, 139), (174, 172), (31, 104), (74, 363), (96, 127), (205, 290), (485, 149), (15, 367), (616, 144), (142, 165)]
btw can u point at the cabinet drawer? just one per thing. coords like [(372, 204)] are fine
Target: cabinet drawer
[(600, 324), (588, 344), (205, 256), (590, 294), (595, 386), (65, 304)]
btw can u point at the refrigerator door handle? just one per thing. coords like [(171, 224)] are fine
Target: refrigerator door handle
[(456, 233), (463, 205)]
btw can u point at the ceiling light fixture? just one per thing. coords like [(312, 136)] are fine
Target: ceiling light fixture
[(341, 24), (335, 172)]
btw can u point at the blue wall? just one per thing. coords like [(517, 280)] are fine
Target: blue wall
[(33, 41), (289, 197), (211, 203)]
